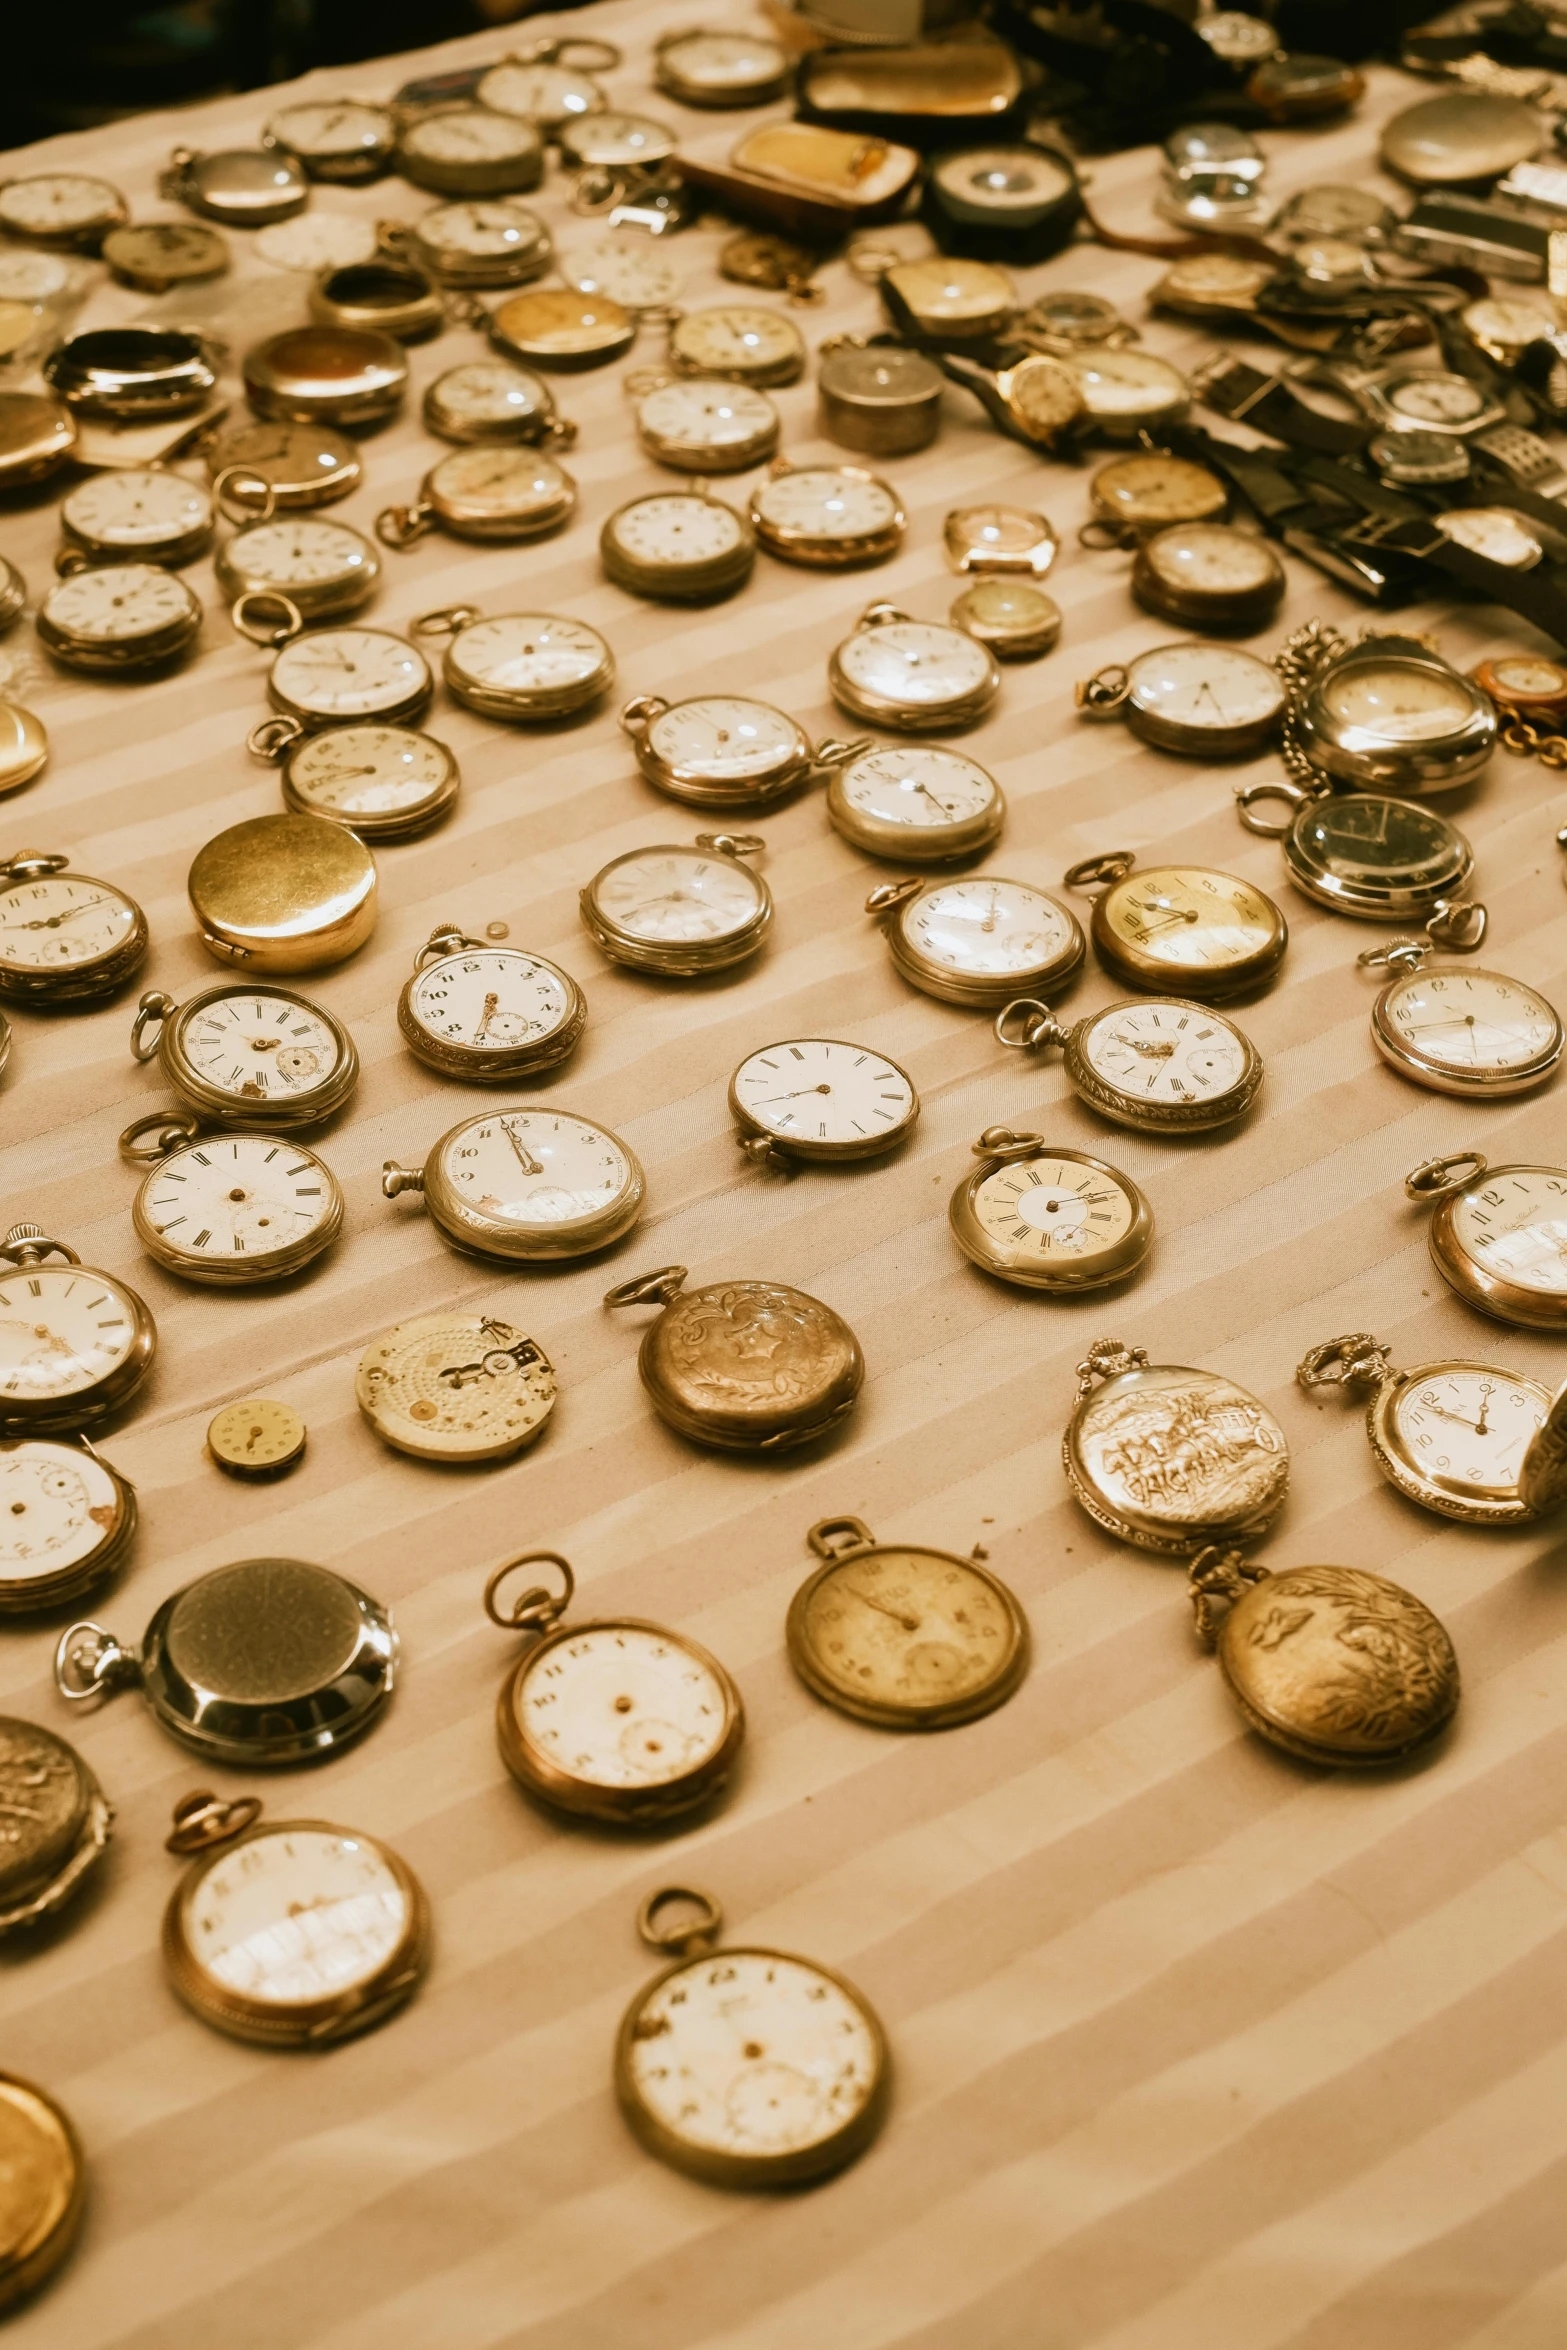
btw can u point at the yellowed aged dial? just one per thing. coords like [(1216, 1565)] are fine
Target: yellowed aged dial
[(1207, 933), (1046, 1218)]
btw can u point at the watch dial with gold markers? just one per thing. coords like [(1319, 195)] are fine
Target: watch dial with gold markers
[(1209, 933), (902, 1636), (1467, 1032)]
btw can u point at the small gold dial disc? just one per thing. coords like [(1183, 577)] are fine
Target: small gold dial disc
[(257, 1438)]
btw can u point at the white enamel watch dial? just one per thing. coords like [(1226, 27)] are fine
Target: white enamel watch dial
[(56, 1501), (465, 136), (1163, 1053), (1467, 1426), (334, 674), (256, 1046), (294, 1915), (110, 609), (314, 241), (335, 130), (529, 663), (622, 1705), (536, 1170), (719, 747), (488, 399), (1514, 1227), (985, 929), (1398, 701), (751, 344), (540, 93), (707, 425), (295, 552), (350, 772), (488, 1000), (236, 1207), (818, 508), (64, 1330), (822, 1098), (59, 206), (914, 672), (617, 142), (1193, 696), (1467, 1032), (921, 803), (32, 277), (675, 534), (63, 923), (500, 492), (677, 896), (720, 69), (141, 510), (497, 231), (627, 269)]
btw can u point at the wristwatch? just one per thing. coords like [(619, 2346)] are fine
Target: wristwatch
[(1274, 404), (1428, 399), (944, 302), (1037, 400), (987, 541)]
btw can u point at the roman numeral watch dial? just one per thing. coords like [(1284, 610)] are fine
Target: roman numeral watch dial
[(75, 1343), (249, 1057), (1047, 1218), (229, 1210), (821, 1099), (1499, 1236), (1211, 933), (1159, 1064)]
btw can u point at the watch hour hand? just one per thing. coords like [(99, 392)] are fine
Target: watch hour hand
[(898, 1615), (525, 1158)]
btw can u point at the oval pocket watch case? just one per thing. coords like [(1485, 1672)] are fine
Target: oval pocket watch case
[(455, 1387), (977, 940), (46, 2189), (58, 1822), (527, 1186), (1160, 1064), (615, 1719), (229, 1210), (1170, 1458), (486, 1013), (67, 1521), (284, 893), (1212, 934), (271, 1660), (821, 1100), (745, 1366), (75, 1342), (242, 1056), (64, 940), (1049, 1218), (1498, 1235)]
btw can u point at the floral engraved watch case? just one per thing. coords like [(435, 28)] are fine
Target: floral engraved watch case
[(455, 1387), (1498, 1235), (57, 1823), (745, 1366), (249, 1056), (1169, 1458), (1161, 1064), (527, 1186), (1050, 1219), (486, 1013), (75, 1343)]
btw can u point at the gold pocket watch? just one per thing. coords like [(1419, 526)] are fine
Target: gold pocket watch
[(901, 1636), (1156, 1063), (1169, 1458), (325, 569), (917, 676), (678, 547), (1203, 701), (681, 912), (470, 151), (704, 424), (385, 295), (742, 341), (314, 241), (1333, 1664), (1460, 1031), (487, 1013), (487, 494), (1013, 619), (75, 1342), (725, 751), (283, 893), (948, 299), (142, 514), (119, 618), (556, 327), (383, 782), (68, 1522), (746, 2067), (1208, 575), (550, 82), (616, 1719), (607, 143), (268, 1661), (290, 1933), (524, 667), (477, 244), (1150, 491), (1468, 1440), (1049, 1218), (297, 465), (13, 594), (914, 805), (64, 940), (249, 1057), (331, 676), (65, 209), (326, 375), (229, 1210), (1210, 933), (819, 1099), (46, 2189), (494, 400), (154, 255), (455, 1387), (37, 435), (1499, 1235), (527, 1186), (745, 1366), (977, 940), (828, 517), (57, 1825), (344, 140)]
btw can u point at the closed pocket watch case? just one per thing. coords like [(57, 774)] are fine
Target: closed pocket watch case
[(745, 1366), (284, 893), (57, 1820), (1169, 1458), (931, 94), (46, 2189)]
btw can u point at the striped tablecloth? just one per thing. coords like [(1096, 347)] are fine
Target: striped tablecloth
[(1194, 2047)]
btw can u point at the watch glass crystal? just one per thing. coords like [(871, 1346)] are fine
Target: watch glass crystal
[(814, 1090), (1494, 532), (1513, 1224), (987, 929), (825, 502), (743, 342), (1211, 559), (723, 737), (675, 896), (1190, 921), (539, 92), (1377, 702), (922, 789), (63, 1329), (490, 999), (235, 1197), (334, 674), (714, 420), (1163, 1052), (1051, 1214), (139, 508), (917, 663), (118, 603), (1464, 1023), (315, 241), (354, 771), (678, 531), (534, 1168), (1467, 1427), (1123, 386), (58, 206), (490, 398), (1449, 401), (298, 553), (530, 653), (1206, 686), (257, 1046), (296, 1914), (60, 921)]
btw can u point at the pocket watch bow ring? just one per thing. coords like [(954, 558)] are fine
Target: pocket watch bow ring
[(1171, 1458), (1370, 857), (747, 1366), (1456, 1030), (227, 1209), (1157, 1063), (1498, 1235), (614, 1719)]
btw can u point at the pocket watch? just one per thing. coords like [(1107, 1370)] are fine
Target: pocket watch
[(1361, 854), (1047, 1218), (226, 1209), (1391, 715), (290, 1933), (976, 940), (313, 241), (494, 400), (75, 1342), (616, 1719), (902, 1636), (551, 82), (346, 140), (331, 676), (256, 1439), (470, 151), (477, 244), (1169, 1458), (745, 1366), (1150, 492), (33, 277), (704, 424), (383, 782), (297, 465), (324, 568), (1204, 701), (1499, 1235), (384, 295), (455, 1387), (1509, 1465), (915, 805), (1160, 1064), (270, 1660), (241, 187), (144, 514), (154, 255), (326, 375), (62, 939), (62, 208), (720, 69), (982, 540), (678, 547), (1013, 619), (58, 1822), (248, 1057), (625, 267), (486, 1013), (1212, 931), (283, 893), (1208, 575), (485, 493), (1333, 1664), (524, 667), (559, 328), (1458, 1030), (919, 676), (46, 2189), (609, 143), (746, 2067), (69, 1522), (828, 517), (742, 341), (527, 1186), (723, 750), (37, 435), (876, 397), (1126, 392), (24, 746), (948, 300), (678, 911), (118, 619), (820, 1099)]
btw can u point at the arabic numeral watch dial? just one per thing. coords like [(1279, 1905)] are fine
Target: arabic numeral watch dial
[(324, 568), (617, 1720), (64, 937), (916, 676), (1203, 701), (1162, 1065), (487, 1013), (971, 941), (916, 805), (678, 547), (67, 1521), (722, 751), (1049, 1219), (747, 344), (455, 1387), (527, 1186), (140, 514), (486, 494), (1499, 1235), (1212, 932), (75, 1343), (524, 667), (680, 912), (1388, 714), (820, 1099), (382, 782), (249, 1057), (1462, 1031), (119, 618), (229, 1210), (829, 517)]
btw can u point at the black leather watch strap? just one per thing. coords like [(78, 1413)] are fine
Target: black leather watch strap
[(1539, 594), (1271, 404)]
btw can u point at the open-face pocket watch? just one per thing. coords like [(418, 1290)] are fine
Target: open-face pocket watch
[(249, 1057), (527, 1186), (557, 327), (681, 912), (917, 676), (1212, 933), (1132, 496), (524, 667), (326, 375), (1376, 859), (58, 1822), (75, 1342), (615, 1719), (1475, 1033), (550, 82), (229, 1209), (67, 1521), (745, 1366), (1049, 1218), (293, 465), (142, 514), (1386, 714), (484, 493), (494, 400), (704, 424), (325, 569), (331, 676), (487, 1013), (383, 782), (902, 1636), (1170, 1458), (344, 140), (1011, 617), (943, 300), (64, 937), (1466, 1439), (979, 939), (627, 267), (470, 151), (725, 751), (746, 2067), (290, 1933), (821, 1100), (270, 1660), (1160, 1064), (828, 517), (744, 342), (1498, 1235), (67, 209), (119, 618), (720, 69), (916, 805), (1208, 575), (479, 244), (456, 1388), (1204, 701), (283, 893), (678, 547)]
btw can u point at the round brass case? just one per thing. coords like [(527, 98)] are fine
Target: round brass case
[(69, 1522), (58, 1822), (37, 435), (563, 329), (1126, 1434), (284, 893), (193, 1051), (381, 297), (1210, 934), (744, 1366), (1047, 1217), (45, 2189)]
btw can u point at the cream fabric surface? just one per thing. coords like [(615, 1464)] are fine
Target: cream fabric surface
[(1195, 2049)]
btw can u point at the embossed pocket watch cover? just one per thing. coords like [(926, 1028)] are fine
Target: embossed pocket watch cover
[(1171, 1458), (748, 1366), (54, 1822)]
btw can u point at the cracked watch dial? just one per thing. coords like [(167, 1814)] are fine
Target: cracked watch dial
[(65, 923), (58, 1504), (243, 1207), (455, 1387), (1463, 1031), (354, 772), (627, 1707), (256, 1047), (333, 674), (292, 1916)]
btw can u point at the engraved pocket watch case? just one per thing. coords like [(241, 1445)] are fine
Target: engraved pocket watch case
[(821, 1100), (901, 1636), (915, 676), (383, 782), (236, 1941), (455, 1388), (284, 893), (526, 668), (744, 1366), (118, 618), (616, 1719), (75, 1342), (488, 1013), (1049, 1218), (1459, 1030), (1212, 934), (914, 804), (680, 912), (1203, 701), (64, 940), (1156, 1063), (1390, 715), (527, 1186), (746, 2067), (827, 517), (1169, 1458), (1358, 853), (58, 1822), (977, 940), (489, 494), (723, 751), (1498, 1235), (326, 375), (46, 2189), (268, 1661), (228, 1210), (249, 1057), (69, 1522)]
